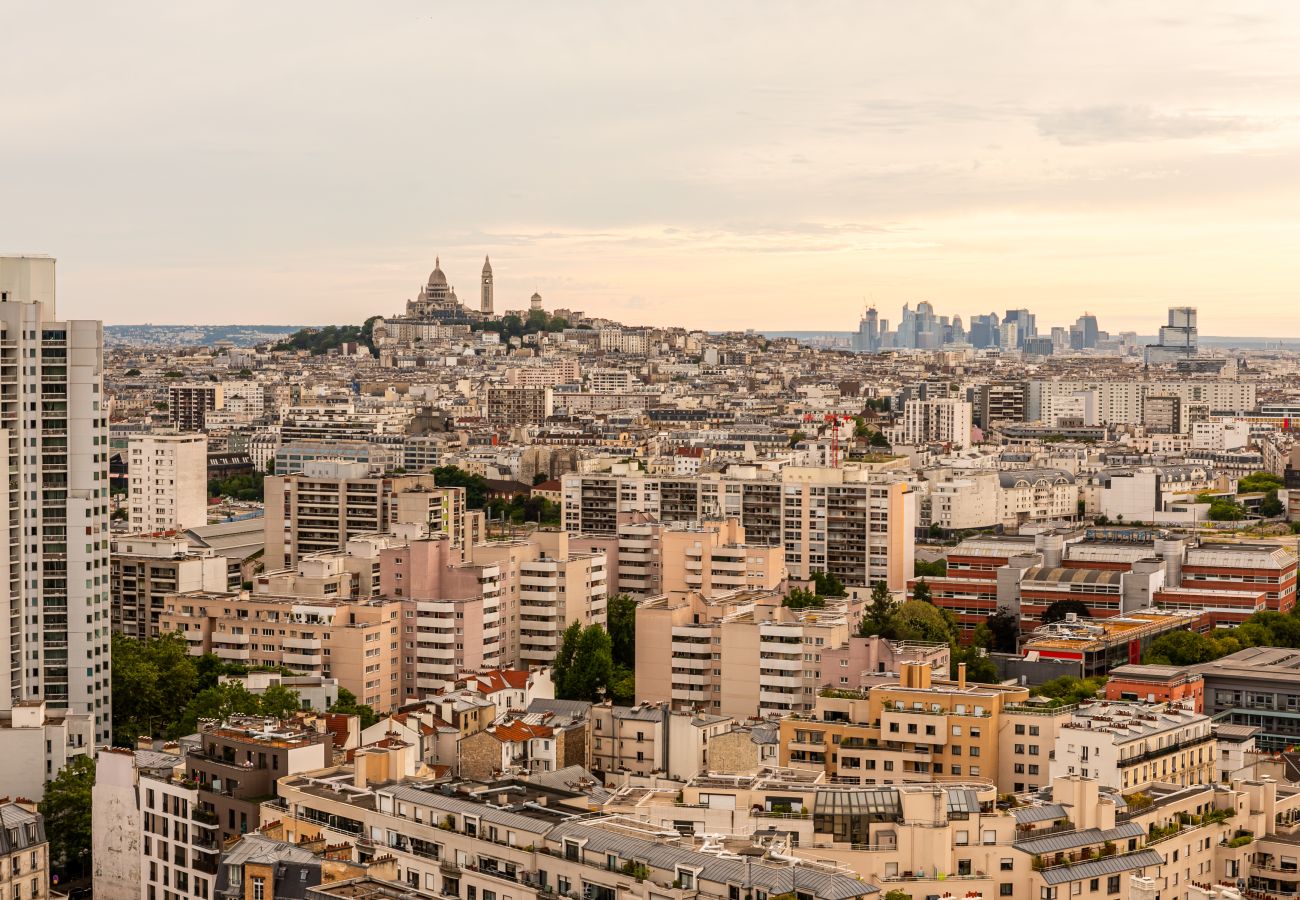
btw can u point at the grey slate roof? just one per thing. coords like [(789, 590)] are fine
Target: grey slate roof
[(1108, 865), (1048, 812), (1067, 840), (484, 812), (774, 879)]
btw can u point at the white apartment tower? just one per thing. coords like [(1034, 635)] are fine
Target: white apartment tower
[(485, 291), (56, 509), (168, 476)]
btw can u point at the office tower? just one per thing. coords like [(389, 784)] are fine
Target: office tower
[(1024, 321), (188, 405), (868, 336), (57, 440), (168, 481), (1087, 325), (1177, 339), (485, 291), (984, 331)]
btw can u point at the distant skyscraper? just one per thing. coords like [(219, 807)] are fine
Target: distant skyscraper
[(868, 336), (54, 420), (485, 292), (984, 331), (1023, 319), (1087, 326), (1177, 339)]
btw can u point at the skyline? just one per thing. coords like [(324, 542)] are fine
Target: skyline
[(741, 167)]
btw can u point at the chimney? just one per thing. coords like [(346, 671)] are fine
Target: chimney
[(961, 676), (359, 761)]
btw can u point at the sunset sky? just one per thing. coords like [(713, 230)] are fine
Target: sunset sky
[(714, 165)]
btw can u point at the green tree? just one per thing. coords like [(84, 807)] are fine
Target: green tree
[(1059, 609), (796, 437), (347, 705), (1068, 690), (921, 591), (1224, 510), (930, 568), (152, 681), (800, 598), (245, 486), (876, 617), (978, 666), (476, 486), (879, 440), (1271, 506), (132, 373), (66, 808), (826, 584), (917, 620), (1259, 481), (982, 637), (584, 667), (279, 702), (1005, 628), (1181, 648), (620, 615)]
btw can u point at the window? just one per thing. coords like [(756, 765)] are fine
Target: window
[(259, 888), (1112, 884), (1005, 889), (1007, 865)]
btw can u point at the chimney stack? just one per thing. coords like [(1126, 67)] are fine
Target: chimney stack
[(961, 676)]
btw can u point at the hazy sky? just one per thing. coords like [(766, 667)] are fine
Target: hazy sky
[(719, 165)]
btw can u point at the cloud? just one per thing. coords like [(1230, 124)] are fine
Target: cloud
[(1117, 123)]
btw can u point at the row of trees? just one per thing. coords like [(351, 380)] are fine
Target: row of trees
[(1188, 648), (536, 321), (248, 486), (160, 691), (321, 340)]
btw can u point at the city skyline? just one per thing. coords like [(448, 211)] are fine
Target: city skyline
[(1120, 161)]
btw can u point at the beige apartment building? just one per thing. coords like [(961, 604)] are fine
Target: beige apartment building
[(916, 730), (355, 642), (737, 654), (167, 481), (331, 502), (856, 521), (492, 605), (146, 568), (714, 557)]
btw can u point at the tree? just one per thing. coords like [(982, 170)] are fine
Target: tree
[(476, 486), (347, 705), (800, 598), (66, 808), (921, 591), (979, 667), (584, 667), (541, 478), (796, 437), (279, 702), (1181, 648), (1224, 510), (879, 440), (827, 585), (1068, 690), (152, 682), (1257, 482), (930, 568), (132, 373), (1271, 506), (917, 620), (620, 617), (982, 637), (1005, 628), (1059, 609), (877, 616)]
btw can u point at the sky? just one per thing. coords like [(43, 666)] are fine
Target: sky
[(715, 165)]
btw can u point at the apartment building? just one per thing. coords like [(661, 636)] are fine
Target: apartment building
[(147, 568), (856, 522), (37, 742), (189, 403), (519, 405), (737, 654), (355, 642), (1129, 746), (652, 738), (167, 481), (535, 844), (557, 588), (943, 421), (238, 763), (715, 557), (917, 729), (1122, 401), (332, 502), (25, 869), (57, 441)]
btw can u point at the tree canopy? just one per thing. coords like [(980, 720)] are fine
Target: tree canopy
[(476, 486), (876, 618), (66, 807), (1059, 609), (322, 340), (584, 665), (347, 705), (1259, 481)]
